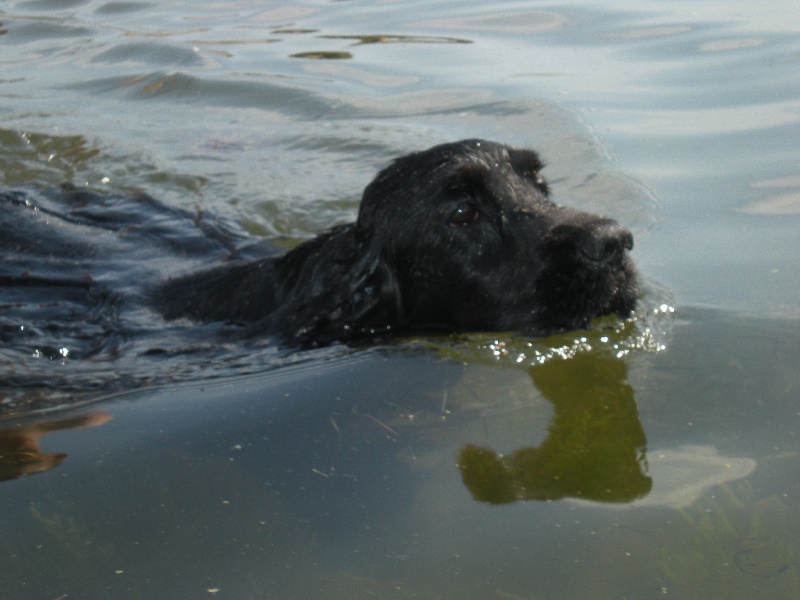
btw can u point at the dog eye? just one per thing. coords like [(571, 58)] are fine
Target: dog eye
[(464, 214)]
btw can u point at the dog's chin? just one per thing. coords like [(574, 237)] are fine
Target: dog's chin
[(622, 302), (576, 311)]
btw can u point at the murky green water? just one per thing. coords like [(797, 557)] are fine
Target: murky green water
[(657, 460)]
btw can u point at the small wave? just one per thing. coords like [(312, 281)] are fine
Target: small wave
[(648, 330)]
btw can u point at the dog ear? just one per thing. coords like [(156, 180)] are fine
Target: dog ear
[(335, 287)]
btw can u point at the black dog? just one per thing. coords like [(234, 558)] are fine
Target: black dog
[(459, 237)]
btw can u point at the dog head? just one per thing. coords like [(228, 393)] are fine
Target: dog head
[(474, 242)]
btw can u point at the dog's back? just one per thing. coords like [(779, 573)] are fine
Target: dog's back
[(77, 268)]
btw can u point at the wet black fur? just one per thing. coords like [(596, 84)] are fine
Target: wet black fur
[(460, 237)]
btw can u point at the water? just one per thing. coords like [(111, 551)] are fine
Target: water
[(358, 473)]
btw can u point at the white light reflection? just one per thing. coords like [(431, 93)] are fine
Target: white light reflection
[(647, 331)]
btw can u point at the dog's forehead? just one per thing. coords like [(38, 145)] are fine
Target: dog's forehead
[(509, 175), (437, 162), (490, 166), (491, 156)]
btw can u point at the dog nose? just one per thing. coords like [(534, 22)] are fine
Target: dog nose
[(606, 243)]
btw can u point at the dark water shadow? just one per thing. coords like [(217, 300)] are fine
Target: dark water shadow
[(20, 449), (316, 478)]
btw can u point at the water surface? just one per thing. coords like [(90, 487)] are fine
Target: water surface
[(654, 458)]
